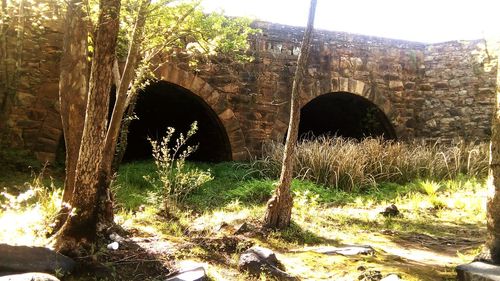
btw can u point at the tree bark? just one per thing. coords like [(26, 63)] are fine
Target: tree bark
[(123, 93), (493, 198), (73, 94), (80, 229), (279, 207)]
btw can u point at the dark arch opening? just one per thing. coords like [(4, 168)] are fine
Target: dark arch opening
[(162, 105), (344, 115)]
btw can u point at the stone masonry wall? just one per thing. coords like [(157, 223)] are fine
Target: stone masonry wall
[(457, 95), (33, 121), (438, 91)]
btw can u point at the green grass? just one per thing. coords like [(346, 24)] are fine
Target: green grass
[(433, 215), (234, 189)]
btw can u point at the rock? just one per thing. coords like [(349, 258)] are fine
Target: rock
[(194, 274), (243, 228), (396, 85), (390, 211), (33, 259), (478, 271), (370, 275), (258, 260), (391, 277), (36, 276), (189, 271), (346, 251)]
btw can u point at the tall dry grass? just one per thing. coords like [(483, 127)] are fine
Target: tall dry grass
[(349, 164)]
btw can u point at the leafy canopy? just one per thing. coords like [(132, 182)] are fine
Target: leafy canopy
[(180, 29)]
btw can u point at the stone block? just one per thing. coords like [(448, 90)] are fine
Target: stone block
[(396, 85), (45, 157), (478, 271), (33, 259), (24, 99), (35, 276)]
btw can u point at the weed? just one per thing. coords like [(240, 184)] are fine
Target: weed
[(351, 165), (177, 181)]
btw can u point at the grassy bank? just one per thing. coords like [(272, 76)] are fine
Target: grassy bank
[(441, 221)]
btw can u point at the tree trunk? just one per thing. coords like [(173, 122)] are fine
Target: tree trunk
[(73, 94), (493, 199), (279, 207), (123, 93), (123, 138), (91, 217)]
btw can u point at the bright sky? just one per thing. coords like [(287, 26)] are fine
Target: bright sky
[(415, 20)]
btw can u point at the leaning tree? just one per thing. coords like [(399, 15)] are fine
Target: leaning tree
[(137, 32), (279, 207)]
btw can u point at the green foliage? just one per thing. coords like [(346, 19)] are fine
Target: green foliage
[(180, 29), (26, 16), (430, 187), (350, 165), (170, 159)]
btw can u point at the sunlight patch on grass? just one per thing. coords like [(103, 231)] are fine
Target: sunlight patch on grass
[(26, 216)]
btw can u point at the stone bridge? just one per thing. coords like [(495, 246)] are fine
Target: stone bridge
[(355, 86)]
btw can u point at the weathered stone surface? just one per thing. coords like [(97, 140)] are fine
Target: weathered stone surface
[(194, 274), (29, 277), (33, 259), (257, 260), (419, 87), (391, 277), (189, 271), (478, 271), (346, 250)]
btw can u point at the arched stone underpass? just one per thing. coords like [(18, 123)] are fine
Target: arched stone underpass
[(163, 104), (346, 115)]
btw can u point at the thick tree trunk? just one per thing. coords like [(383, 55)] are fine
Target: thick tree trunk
[(73, 94), (493, 200), (81, 229), (279, 207)]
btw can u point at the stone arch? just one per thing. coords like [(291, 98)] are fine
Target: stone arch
[(344, 114), (216, 100), (313, 89)]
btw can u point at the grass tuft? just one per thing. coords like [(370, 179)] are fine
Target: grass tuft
[(349, 165)]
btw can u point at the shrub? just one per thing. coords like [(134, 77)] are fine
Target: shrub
[(349, 164), (176, 179)]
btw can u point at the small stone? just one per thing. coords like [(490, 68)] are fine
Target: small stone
[(243, 228), (371, 275), (258, 260), (391, 277), (35, 276), (194, 274), (346, 251), (390, 211)]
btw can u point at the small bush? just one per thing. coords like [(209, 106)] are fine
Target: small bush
[(176, 179), (349, 165)]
